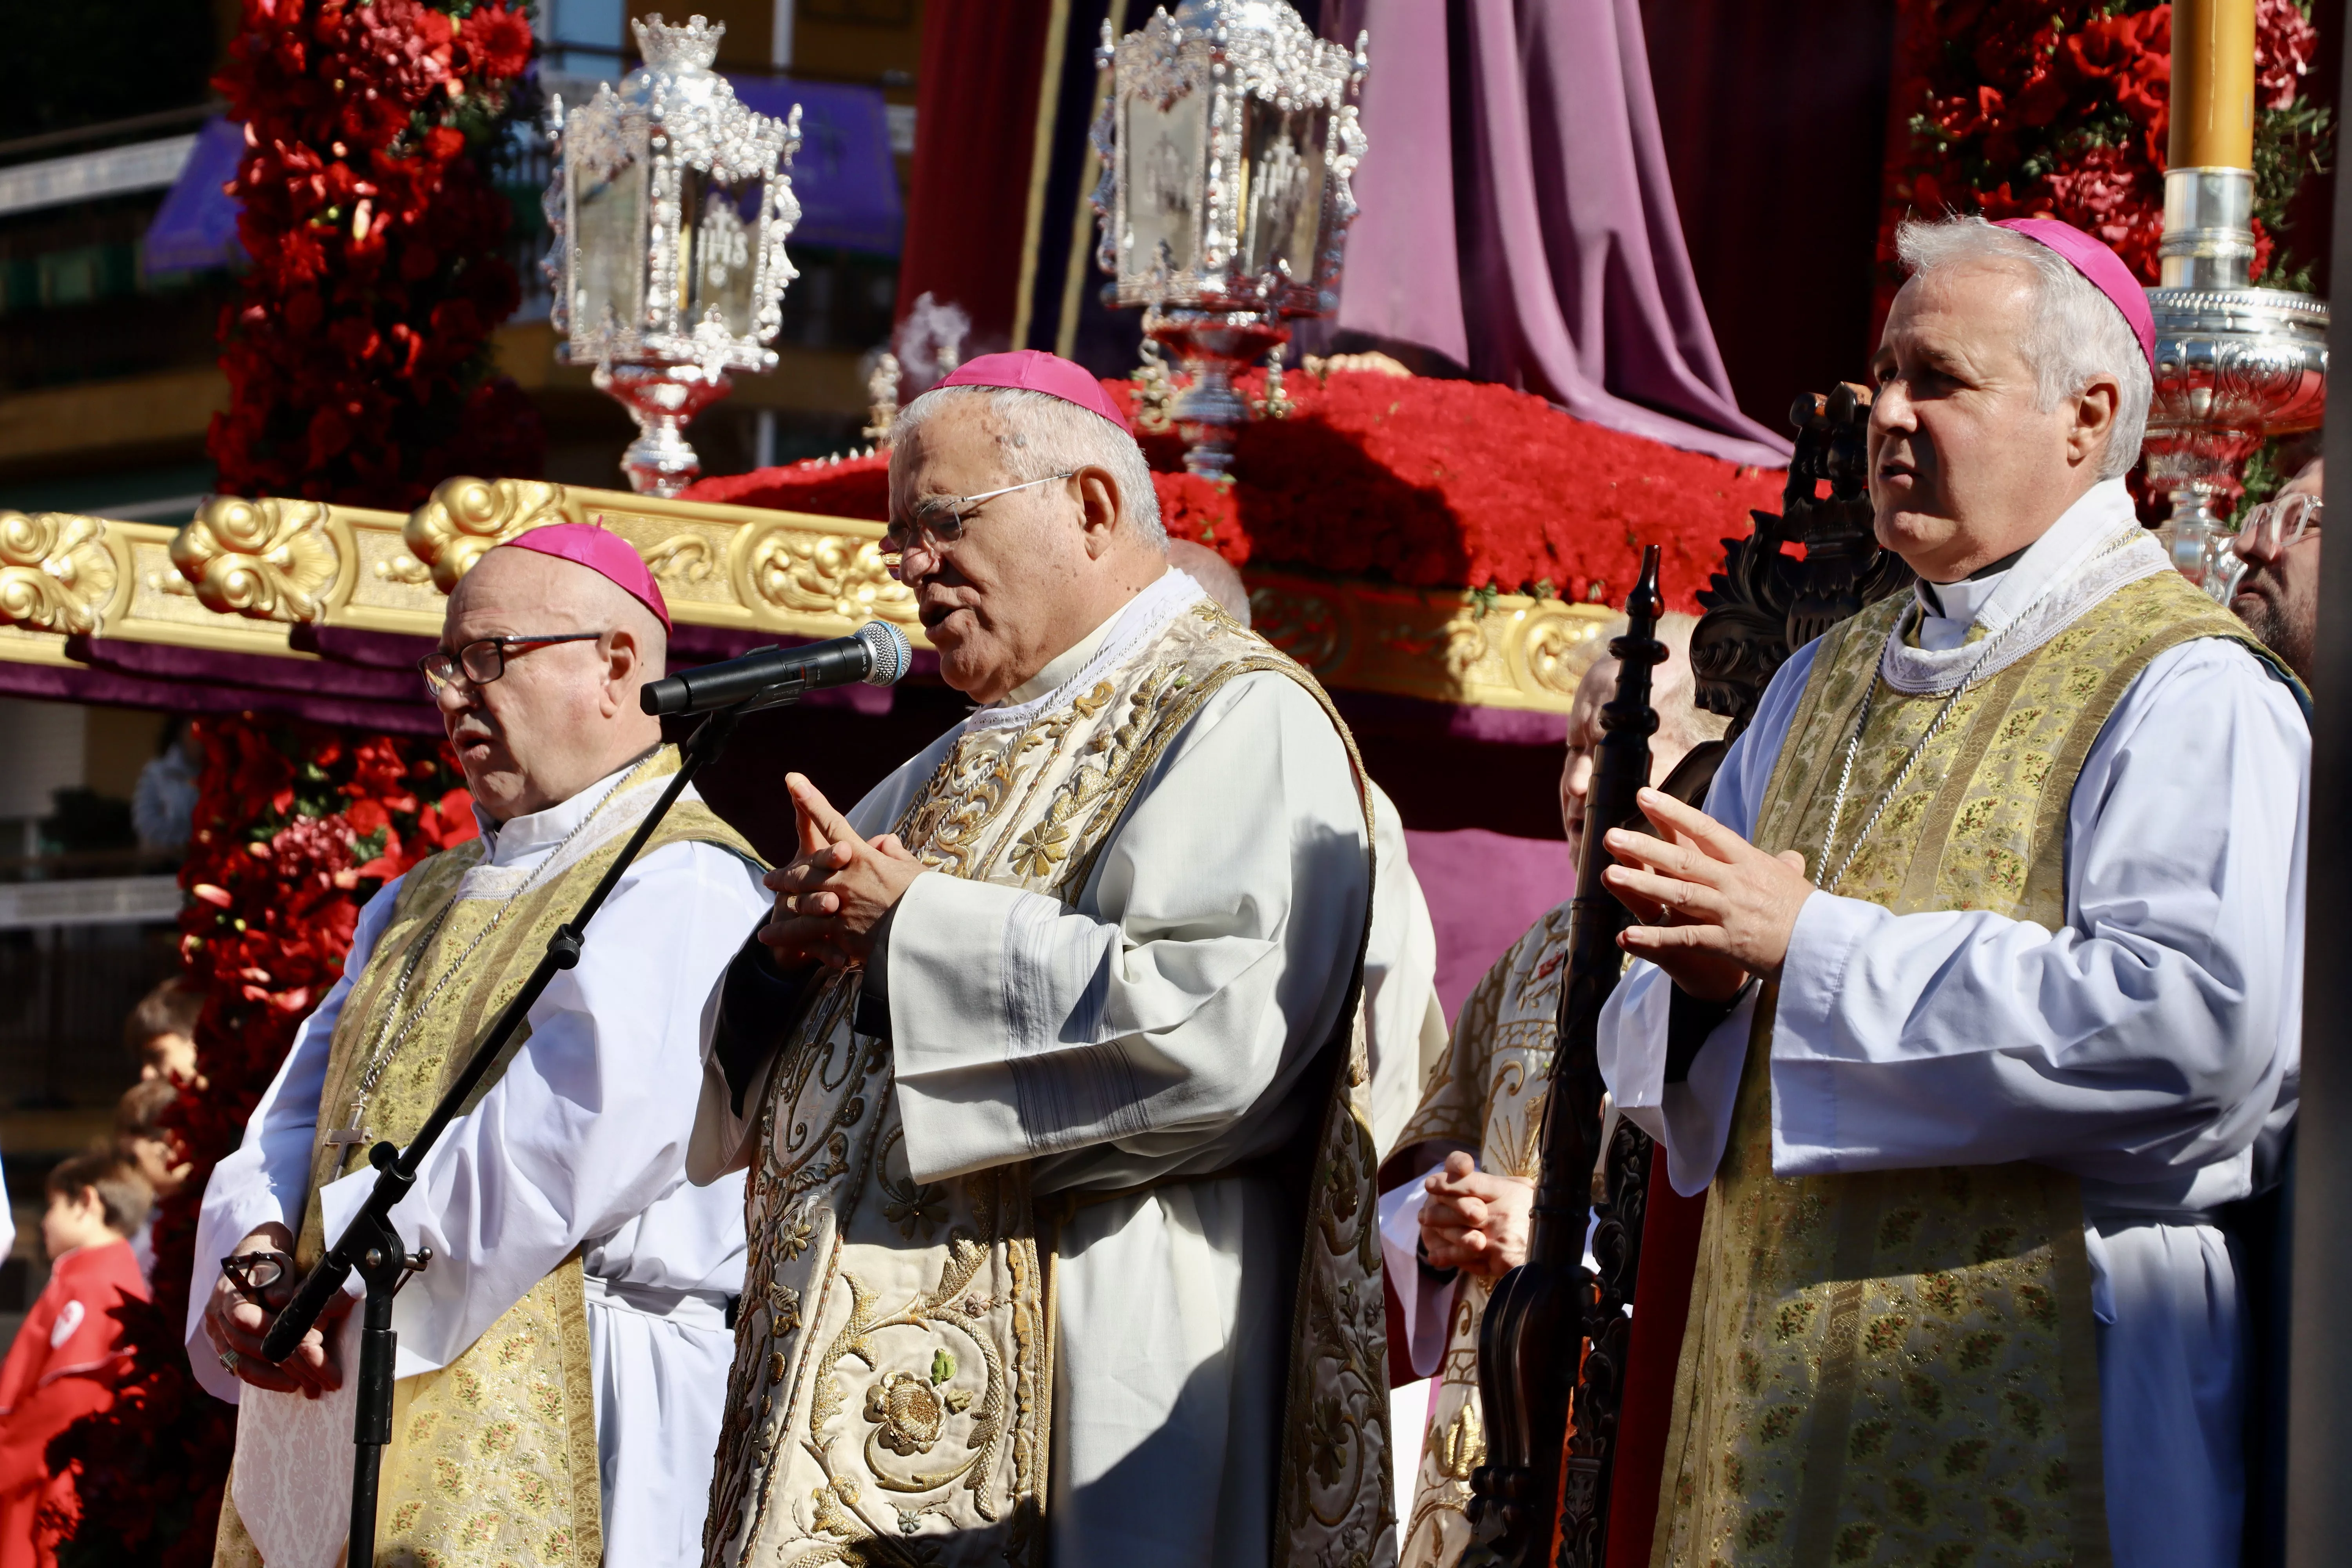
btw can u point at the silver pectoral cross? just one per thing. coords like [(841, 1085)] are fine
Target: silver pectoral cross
[(355, 1130)]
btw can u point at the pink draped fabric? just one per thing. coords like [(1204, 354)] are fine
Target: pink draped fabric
[(1519, 217)]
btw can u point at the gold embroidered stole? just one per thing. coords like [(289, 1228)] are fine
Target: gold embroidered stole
[(1898, 1366), (493, 1457), (1488, 1090), (891, 1399)]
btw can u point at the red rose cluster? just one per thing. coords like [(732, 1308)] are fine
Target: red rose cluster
[(2059, 109), (296, 826), (358, 359), (1435, 484)]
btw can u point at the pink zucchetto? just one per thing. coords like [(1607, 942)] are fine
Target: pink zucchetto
[(605, 554), (2103, 266), (1034, 370)]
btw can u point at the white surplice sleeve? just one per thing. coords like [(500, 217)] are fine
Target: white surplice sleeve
[(2142, 1045), (1200, 970), (265, 1179), (587, 1127)]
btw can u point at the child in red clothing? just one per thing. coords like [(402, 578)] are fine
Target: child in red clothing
[(69, 1355)]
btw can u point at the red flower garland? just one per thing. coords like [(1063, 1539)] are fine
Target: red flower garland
[(2059, 109), (296, 827), (1437, 484), (359, 362)]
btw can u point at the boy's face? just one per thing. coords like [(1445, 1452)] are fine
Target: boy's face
[(74, 1219), (168, 1055), (156, 1163)]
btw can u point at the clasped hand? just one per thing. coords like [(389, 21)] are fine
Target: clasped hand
[(1716, 910), (1472, 1221), (237, 1328), (830, 898)]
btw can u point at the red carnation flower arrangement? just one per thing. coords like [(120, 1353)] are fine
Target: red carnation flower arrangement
[(1435, 484), (2059, 109), (296, 826), (359, 358)]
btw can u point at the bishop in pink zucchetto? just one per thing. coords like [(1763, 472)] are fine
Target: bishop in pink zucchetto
[(1981, 976), (578, 1299), (1090, 965)]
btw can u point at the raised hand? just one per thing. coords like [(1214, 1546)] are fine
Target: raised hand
[(1716, 909), (831, 897)]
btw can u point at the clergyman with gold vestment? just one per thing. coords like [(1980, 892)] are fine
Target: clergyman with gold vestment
[(1051, 1062), (563, 1354), (1976, 988)]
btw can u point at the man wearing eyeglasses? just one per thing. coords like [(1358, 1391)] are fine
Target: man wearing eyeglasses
[(563, 1354), (2277, 556), (1049, 1065)]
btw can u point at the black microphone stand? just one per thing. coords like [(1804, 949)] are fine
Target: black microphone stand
[(371, 1246)]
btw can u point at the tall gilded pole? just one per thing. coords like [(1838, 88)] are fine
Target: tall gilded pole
[(2235, 365)]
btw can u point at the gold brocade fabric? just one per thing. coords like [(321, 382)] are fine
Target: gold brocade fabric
[(492, 1462), (893, 1375), (1898, 1366), (1488, 1091)]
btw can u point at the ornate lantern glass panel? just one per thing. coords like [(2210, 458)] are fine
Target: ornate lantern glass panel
[(669, 206), (1228, 135)]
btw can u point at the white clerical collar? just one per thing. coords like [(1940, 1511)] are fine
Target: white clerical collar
[(2095, 547), (1086, 659), (1948, 610), (534, 833)]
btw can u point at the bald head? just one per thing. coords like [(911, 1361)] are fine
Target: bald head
[(1673, 693), (1214, 574), (562, 714)]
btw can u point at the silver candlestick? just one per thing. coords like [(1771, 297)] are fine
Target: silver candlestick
[(2235, 365)]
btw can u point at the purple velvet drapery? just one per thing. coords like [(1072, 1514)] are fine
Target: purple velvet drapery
[(1519, 217)]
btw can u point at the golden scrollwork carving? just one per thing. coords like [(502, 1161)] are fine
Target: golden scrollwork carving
[(680, 558), (272, 560), (466, 517), (809, 572), (1557, 649), (55, 572)]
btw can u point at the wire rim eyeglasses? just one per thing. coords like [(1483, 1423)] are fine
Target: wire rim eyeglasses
[(484, 659), (939, 520)]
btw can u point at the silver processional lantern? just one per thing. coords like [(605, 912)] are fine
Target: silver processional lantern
[(670, 205), (1228, 135)]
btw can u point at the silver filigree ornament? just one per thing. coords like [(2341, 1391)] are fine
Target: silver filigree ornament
[(1228, 139), (669, 206)]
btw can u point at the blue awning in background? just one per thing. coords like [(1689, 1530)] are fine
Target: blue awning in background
[(195, 228), (847, 186)]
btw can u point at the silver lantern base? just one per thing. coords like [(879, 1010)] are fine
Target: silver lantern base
[(663, 399), (1213, 347)]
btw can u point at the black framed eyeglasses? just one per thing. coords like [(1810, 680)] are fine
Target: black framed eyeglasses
[(484, 659)]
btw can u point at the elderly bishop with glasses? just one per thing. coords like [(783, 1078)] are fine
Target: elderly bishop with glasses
[(563, 1352), (1048, 1071), (1975, 991)]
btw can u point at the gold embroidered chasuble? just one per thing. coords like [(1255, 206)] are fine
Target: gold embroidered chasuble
[(1899, 1366), (1488, 1091), (891, 1396), (493, 1459)]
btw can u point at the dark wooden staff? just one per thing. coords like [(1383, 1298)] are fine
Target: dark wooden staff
[(1529, 1373)]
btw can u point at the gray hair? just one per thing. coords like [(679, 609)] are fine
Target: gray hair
[(1040, 435), (2077, 333)]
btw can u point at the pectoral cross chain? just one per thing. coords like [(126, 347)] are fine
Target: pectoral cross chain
[(355, 1130)]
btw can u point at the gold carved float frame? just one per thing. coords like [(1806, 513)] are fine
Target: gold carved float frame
[(241, 574)]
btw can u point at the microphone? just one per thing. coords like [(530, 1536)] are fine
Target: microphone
[(877, 653)]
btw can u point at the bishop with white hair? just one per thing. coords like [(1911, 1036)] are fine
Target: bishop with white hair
[(1975, 989), (1049, 1071)]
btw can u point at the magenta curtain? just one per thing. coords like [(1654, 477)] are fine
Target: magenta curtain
[(1519, 217)]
